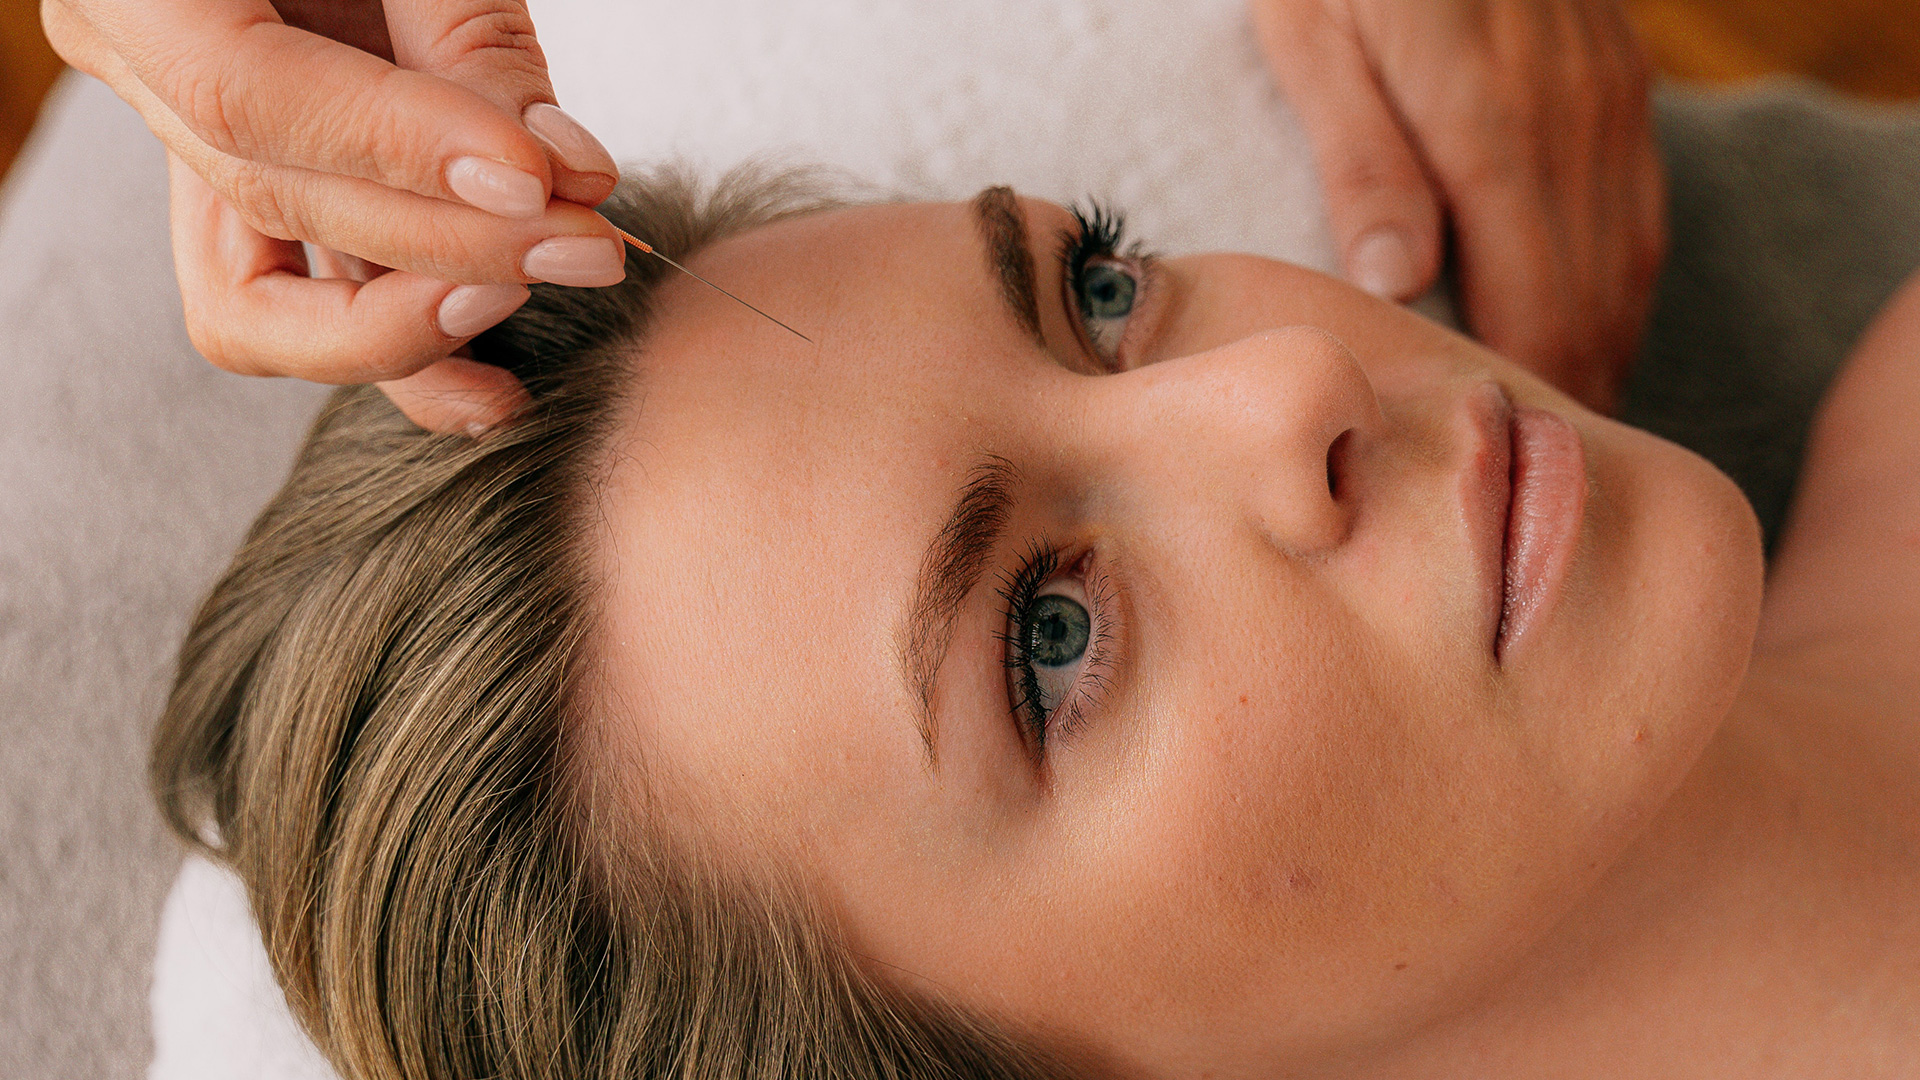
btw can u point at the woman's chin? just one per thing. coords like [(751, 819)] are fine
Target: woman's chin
[(1653, 644)]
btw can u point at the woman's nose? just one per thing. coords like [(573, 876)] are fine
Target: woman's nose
[(1268, 427)]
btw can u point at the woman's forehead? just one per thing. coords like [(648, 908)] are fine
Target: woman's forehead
[(768, 500), (912, 349), (887, 269)]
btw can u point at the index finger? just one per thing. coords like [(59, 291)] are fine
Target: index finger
[(489, 47), (255, 88)]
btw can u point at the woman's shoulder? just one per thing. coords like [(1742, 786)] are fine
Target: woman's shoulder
[(1844, 584)]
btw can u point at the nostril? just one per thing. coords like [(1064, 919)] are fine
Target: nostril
[(1337, 462)]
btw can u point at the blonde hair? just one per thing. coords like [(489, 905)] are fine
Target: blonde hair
[(376, 721)]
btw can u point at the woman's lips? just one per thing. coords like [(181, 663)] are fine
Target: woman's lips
[(1548, 500), (1486, 490)]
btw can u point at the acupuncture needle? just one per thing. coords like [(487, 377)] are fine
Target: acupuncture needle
[(648, 249)]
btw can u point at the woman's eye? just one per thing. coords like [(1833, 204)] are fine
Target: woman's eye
[(1053, 635), (1106, 291), (1057, 631), (1058, 644)]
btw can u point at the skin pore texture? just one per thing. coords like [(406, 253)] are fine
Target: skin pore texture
[(1303, 807)]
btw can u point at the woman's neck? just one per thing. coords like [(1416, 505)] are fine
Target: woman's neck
[(1765, 925)]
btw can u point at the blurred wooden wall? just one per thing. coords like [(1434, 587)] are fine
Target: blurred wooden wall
[(27, 68), (1866, 47)]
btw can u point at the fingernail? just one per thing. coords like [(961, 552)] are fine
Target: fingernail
[(1382, 264), (572, 143), (470, 309), (477, 419), (497, 188), (582, 261)]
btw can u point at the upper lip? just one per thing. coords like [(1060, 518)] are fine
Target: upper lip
[(1486, 491)]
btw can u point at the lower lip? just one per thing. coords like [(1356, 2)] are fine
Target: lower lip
[(1543, 522)]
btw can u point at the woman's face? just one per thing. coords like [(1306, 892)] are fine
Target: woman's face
[(1139, 653)]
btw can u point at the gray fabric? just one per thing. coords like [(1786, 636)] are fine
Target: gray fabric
[(129, 469), (1795, 216)]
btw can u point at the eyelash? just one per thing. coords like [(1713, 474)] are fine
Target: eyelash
[(1099, 233), (1019, 593)]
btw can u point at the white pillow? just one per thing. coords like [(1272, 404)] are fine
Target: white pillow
[(1161, 108)]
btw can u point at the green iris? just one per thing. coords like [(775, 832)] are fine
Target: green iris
[(1106, 292), (1056, 631)]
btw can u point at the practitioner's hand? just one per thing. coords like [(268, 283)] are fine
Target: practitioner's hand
[(453, 167), (1523, 125)]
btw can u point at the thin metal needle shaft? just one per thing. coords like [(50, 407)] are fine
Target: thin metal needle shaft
[(648, 248)]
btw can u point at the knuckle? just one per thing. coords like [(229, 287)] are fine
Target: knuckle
[(369, 365), (204, 99), (1484, 164), (425, 243), (498, 40), (1483, 107), (450, 244), (213, 339), (370, 134), (1366, 175), (262, 204), (451, 250)]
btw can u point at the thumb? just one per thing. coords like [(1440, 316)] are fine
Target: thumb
[(489, 47), (1385, 215)]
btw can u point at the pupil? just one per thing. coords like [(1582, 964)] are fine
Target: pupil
[(1109, 292), (1057, 631)]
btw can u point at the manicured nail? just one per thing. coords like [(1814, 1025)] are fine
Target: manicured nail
[(1382, 264), (583, 261), (573, 144), (470, 309), (484, 420), (497, 188), (477, 418)]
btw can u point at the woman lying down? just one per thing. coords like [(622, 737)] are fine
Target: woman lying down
[(1072, 663)]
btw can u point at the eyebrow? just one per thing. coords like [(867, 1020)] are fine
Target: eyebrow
[(1004, 229), (955, 562)]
